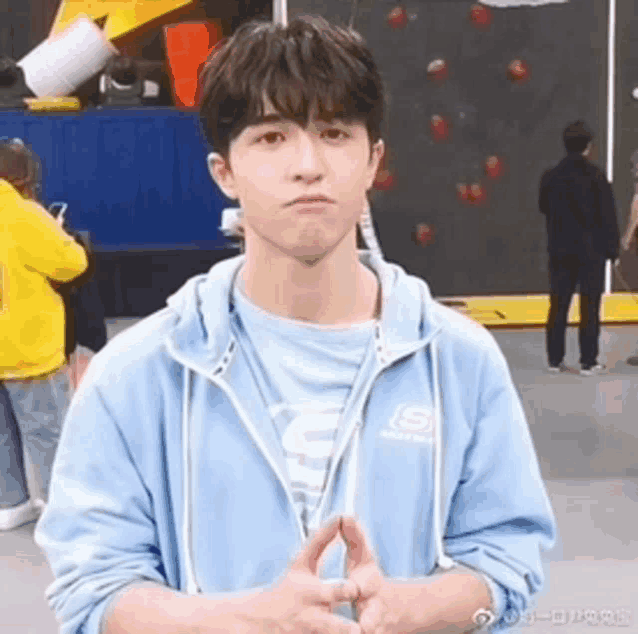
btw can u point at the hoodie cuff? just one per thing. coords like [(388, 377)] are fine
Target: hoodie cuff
[(499, 597), (497, 592)]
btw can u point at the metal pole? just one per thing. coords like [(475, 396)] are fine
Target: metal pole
[(280, 12), (611, 94)]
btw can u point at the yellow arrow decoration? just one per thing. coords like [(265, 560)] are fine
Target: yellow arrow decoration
[(123, 16)]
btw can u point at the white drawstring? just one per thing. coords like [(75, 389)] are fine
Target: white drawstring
[(368, 233), (353, 472), (443, 561), (191, 584)]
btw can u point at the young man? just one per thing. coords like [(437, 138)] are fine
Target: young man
[(582, 233), (34, 250), (300, 389)]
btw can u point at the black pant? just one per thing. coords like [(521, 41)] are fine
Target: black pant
[(565, 272)]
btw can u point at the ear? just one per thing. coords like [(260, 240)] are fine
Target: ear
[(220, 172), (378, 150)]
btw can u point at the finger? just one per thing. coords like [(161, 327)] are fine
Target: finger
[(312, 551), (359, 551), (326, 592), (319, 622), (315, 592), (346, 592), (371, 618)]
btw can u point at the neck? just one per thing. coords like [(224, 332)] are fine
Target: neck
[(338, 290)]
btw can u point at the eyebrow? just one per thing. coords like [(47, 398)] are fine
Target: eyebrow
[(277, 118)]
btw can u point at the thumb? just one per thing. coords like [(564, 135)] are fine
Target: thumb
[(359, 551), (308, 558)]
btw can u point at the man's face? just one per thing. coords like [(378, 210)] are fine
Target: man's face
[(277, 161)]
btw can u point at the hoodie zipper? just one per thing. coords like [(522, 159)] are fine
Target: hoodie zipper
[(264, 450), (354, 428), (359, 418)]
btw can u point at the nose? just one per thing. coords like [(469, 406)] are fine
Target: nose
[(308, 163)]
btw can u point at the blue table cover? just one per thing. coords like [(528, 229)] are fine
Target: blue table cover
[(135, 178)]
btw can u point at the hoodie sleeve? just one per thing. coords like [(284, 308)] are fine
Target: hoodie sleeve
[(501, 517), (98, 530), (45, 246)]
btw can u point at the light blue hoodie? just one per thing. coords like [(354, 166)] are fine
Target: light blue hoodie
[(169, 468)]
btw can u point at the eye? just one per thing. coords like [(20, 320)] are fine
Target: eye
[(338, 131), (268, 135)]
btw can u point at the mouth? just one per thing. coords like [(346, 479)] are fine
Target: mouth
[(311, 207), (309, 201)]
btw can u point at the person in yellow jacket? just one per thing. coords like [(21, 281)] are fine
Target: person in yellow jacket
[(35, 254)]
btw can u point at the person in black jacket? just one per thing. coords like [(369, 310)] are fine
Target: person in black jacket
[(582, 231), (84, 310)]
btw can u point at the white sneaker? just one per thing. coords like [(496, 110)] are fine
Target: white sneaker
[(591, 370), (17, 516)]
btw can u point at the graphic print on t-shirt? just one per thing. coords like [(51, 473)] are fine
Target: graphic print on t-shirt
[(308, 443)]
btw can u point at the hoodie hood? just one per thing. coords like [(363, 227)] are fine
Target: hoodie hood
[(202, 333)]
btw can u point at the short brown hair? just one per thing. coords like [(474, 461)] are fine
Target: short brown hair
[(20, 166), (309, 62)]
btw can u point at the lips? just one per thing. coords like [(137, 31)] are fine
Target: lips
[(318, 200), (315, 208)]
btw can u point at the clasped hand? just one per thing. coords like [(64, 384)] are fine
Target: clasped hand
[(303, 604)]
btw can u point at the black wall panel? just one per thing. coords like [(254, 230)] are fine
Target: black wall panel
[(500, 248), (24, 24), (15, 32)]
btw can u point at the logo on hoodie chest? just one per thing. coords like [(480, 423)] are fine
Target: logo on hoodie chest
[(410, 424)]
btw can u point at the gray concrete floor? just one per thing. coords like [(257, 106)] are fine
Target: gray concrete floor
[(586, 434)]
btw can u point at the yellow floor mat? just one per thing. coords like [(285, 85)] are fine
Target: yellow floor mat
[(531, 310)]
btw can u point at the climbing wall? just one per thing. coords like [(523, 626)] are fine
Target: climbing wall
[(477, 102)]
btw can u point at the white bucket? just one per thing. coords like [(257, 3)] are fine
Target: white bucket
[(62, 63)]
